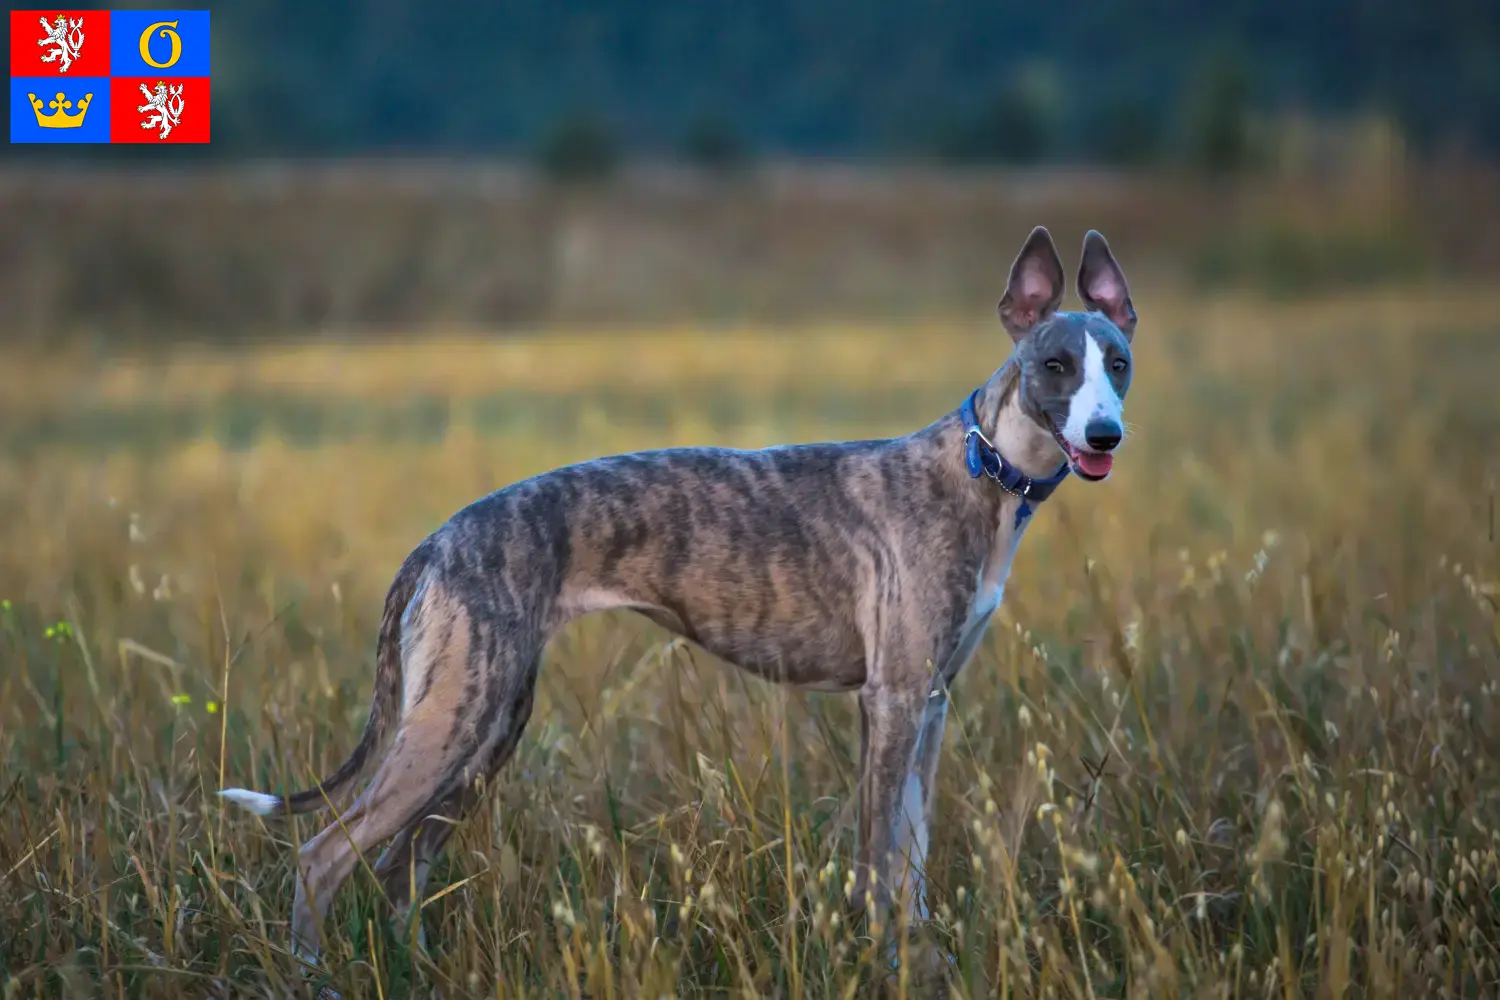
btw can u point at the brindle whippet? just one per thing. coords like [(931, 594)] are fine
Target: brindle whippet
[(869, 566)]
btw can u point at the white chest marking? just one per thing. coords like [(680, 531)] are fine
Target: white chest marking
[(989, 591), (1095, 398)]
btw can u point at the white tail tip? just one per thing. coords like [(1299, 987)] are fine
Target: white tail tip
[(257, 802)]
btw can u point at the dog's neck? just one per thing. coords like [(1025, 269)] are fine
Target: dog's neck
[(1015, 434), (1019, 439)]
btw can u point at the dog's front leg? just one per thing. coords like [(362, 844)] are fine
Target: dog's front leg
[(918, 802), (891, 717)]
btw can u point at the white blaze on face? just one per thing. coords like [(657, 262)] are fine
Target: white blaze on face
[(1095, 399)]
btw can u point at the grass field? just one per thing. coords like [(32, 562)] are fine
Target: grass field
[(1275, 626)]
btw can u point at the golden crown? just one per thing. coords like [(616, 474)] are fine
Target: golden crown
[(60, 118)]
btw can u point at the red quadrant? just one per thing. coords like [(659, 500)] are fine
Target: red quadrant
[(89, 58), (191, 109)]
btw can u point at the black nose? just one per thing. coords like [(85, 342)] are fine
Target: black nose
[(1102, 435)]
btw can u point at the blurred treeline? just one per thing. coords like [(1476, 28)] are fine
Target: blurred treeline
[(380, 166), (967, 80)]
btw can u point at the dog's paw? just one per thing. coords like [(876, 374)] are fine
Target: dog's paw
[(929, 969)]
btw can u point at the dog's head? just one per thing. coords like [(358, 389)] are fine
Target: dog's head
[(1075, 367)]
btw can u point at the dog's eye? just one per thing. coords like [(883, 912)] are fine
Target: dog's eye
[(1055, 365), (1121, 364)]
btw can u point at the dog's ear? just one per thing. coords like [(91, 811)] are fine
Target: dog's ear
[(1102, 286), (1035, 289)]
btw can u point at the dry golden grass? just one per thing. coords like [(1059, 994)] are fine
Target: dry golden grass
[(1276, 626)]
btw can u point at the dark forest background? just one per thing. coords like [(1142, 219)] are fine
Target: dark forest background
[(1096, 80), (482, 165)]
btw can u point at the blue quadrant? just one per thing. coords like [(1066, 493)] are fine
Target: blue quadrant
[(23, 123), (127, 26)]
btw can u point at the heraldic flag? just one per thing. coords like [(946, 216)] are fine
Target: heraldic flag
[(110, 76)]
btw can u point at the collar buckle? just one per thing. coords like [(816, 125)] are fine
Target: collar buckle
[(986, 459)]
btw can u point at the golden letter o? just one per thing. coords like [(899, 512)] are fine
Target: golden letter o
[(166, 32)]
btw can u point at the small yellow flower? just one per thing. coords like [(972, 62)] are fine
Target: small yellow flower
[(182, 699), (212, 706)]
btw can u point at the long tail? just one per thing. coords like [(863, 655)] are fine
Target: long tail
[(386, 703)]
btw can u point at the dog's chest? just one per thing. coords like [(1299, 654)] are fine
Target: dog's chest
[(994, 571), (988, 591)]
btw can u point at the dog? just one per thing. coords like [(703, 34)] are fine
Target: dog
[(861, 566)]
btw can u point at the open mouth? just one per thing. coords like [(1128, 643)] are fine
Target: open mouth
[(1091, 465)]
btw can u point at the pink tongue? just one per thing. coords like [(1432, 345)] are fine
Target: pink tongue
[(1095, 463)]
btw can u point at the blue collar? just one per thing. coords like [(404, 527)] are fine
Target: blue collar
[(984, 460)]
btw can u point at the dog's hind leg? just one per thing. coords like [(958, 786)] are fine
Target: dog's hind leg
[(408, 779), (468, 695), (416, 797), (405, 865)]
